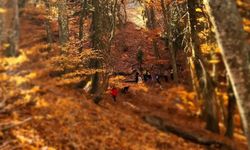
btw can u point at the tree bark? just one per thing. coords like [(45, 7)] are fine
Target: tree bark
[(169, 38), (230, 112), (81, 18), (13, 34), (206, 87), (232, 41), (48, 24), (63, 22), (155, 49), (96, 44), (150, 15), (1, 23)]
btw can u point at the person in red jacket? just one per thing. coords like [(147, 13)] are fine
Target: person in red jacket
[(114, 93)]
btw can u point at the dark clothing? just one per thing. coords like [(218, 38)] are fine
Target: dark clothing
[(125, 90), (157, 78), (166, 78), (172, 76), (114, 98), (147, 76), (136, 77)]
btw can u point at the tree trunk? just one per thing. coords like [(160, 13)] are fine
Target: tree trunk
[(205, 85), (13, 34), (211, 109), (124, 3), (169, 38), (1, 23), (150, 15), (232, 41), (81, 18), (152, 18), (96, 26), (48, 25), (96, 44), (63, 22), (155, 49)]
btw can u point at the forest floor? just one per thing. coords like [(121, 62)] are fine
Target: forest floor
[(42, 115)]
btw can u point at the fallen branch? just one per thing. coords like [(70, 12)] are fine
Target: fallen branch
[(188, 135)]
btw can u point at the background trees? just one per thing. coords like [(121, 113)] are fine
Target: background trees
[(183, 38)]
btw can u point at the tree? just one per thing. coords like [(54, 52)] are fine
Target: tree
[(48, 23), (232, 41), (231, 111), (96, 43), (102, 34), (13, 28), (63, 22), (167, 13), (206, 88), (82, 15), (150, 15), (139, 57), (2, 11)]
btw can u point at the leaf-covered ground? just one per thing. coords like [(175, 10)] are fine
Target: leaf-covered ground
[(38, 114)]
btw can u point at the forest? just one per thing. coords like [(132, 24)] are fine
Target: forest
[(124, 74)]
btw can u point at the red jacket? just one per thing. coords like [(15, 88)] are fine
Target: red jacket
[(114, 92)]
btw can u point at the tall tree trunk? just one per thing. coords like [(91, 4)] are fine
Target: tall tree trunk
[(1, 23), (230, 111), (155, 49), (96, 44), (113, 26), (152, 17), (96, 26), (205, 80), (169, 38), (63, 22), (232, 41), (48, 24), (81, 22), (124, 3), (13, 35), (81, 18)]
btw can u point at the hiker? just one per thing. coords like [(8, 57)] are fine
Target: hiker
[(166, 75), (140, 80), (144, 73), (172, 74), (148, 75), (114, 93), (87, 86), (157, 78), (124, 90), (136, 77), (152, 74)]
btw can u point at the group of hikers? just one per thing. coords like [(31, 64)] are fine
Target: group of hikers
[(146, 77)]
